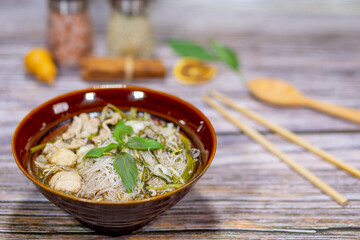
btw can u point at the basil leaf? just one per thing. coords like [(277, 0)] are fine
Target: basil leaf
[(187, 48), (143, 143), (121, 130), (225, 54), (125, 166), (98, 152)]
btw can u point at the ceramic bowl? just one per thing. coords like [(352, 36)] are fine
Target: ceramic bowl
[(112, 217)]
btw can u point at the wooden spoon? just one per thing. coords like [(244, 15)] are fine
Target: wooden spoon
[(281, 93)]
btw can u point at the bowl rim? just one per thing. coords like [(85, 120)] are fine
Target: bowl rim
[(112, 86)]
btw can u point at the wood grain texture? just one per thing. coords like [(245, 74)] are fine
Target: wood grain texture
[(247, 193)]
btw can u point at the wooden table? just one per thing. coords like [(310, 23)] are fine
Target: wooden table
[(247, 192)]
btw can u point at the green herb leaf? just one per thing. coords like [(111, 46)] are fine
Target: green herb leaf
[(98, 152), (190, 162), (125, 166), (225, 54), (121, 130), (143, 143), (187, 48)]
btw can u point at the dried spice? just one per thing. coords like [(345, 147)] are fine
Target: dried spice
[(193, 71), (98, 69), (217, 52), (69, 31)]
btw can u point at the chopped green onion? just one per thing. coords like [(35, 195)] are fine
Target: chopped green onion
[(133, 113), (37, 147), (190, 162), (156, 133), (165, 186), (110, 154), (122, 114)]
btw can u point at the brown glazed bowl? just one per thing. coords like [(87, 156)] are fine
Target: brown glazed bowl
[(112, 217)]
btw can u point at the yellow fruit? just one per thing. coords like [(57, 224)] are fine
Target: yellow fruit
[(46, 72), (193, 71), (39, 62)]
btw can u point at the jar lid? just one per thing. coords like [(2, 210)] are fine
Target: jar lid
[(68, 6), (130, 7)]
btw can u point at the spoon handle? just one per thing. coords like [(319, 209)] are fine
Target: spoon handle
[(337, 111)]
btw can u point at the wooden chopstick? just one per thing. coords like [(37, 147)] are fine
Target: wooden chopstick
[(272, 148), (288, 134)]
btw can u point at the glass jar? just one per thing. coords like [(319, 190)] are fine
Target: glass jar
[(129, 30), (69, 33)]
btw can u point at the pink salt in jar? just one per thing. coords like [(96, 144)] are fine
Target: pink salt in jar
[(69, 33)]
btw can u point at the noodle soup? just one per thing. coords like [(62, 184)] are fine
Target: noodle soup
[(116, 156)]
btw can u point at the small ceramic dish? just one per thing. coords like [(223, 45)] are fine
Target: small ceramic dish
[(112, 217)]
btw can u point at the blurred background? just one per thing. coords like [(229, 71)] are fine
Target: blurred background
[(312, 44), (285, 39)]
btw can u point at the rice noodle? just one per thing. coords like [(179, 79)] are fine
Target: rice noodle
[(100, 181)]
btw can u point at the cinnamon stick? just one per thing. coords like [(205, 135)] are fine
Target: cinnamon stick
[(97, 69)]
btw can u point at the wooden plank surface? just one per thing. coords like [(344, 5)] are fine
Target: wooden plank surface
[(247, 193)]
